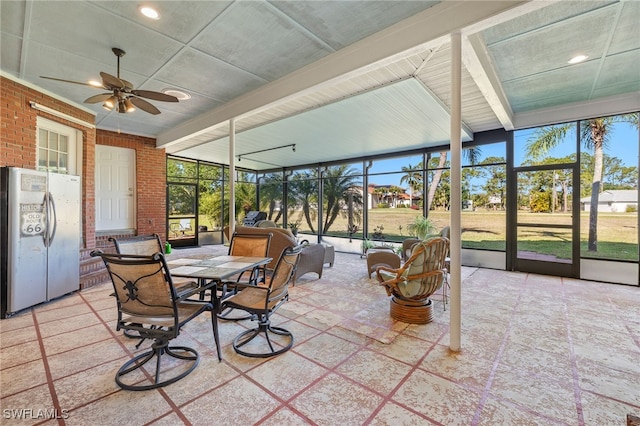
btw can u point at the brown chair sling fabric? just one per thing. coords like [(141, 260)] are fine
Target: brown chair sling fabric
[(147, 245), (149, 305), (261, 302), (421, 275), (251, 246), (141, 244)]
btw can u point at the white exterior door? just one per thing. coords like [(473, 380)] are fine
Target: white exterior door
[(115, 188)]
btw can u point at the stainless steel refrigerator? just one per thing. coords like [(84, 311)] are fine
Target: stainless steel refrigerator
[(39, 237)]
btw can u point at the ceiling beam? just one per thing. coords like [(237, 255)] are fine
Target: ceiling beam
[(424, 27), (478, 63)]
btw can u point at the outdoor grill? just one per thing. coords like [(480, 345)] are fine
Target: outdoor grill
[(252, 217)]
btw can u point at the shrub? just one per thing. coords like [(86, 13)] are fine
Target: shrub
[(421, 227), (540, 202), (631, 208), (377, 233)]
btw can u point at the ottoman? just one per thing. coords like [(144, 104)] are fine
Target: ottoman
[(329, 254)]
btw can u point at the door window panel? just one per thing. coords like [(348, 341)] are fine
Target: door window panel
[(53, 151)]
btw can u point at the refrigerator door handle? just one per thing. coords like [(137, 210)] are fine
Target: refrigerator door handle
[(45, 208), (52, 209)]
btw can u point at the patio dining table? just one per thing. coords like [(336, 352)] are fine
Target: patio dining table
[(210, 271)]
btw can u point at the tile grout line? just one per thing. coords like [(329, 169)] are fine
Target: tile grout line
[(47, 371), (496, 362), (174, 407), (415, 367), (577, 392)]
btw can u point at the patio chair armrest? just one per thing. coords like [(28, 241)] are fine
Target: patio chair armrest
[(385, 269)]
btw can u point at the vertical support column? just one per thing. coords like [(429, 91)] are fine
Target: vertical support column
[(455, 203), (232, 176), (365, 216)]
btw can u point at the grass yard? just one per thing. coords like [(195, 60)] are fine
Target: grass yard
[(617, 232)]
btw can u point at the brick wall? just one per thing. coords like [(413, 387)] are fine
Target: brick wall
[(18, 139), (150, 179), (18, 149)]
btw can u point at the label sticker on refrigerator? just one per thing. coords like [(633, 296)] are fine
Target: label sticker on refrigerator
[(32, 219), (33, 183)]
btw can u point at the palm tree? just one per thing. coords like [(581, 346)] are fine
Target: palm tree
[(472, 154), (380, 193), (270, 194), (436, 179), (594, 134), (304, 188), (413, 178), (337, 181)]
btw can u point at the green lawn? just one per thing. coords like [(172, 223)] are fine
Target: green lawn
[(617, 232)]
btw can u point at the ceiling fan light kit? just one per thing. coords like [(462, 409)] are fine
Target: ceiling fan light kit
[(109, 103), (122, 96)]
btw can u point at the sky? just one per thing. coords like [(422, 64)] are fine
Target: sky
[(623, 144)]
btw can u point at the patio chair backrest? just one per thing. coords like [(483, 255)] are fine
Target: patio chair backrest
[(250, 245), (283, 273), (140, 245), (142, 285), (424, 271)]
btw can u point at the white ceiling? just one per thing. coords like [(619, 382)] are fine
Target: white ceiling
[(340, 79)]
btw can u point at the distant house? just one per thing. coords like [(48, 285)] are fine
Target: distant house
[(613, 201)]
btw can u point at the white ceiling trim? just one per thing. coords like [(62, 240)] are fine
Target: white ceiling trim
[(612, 105), (478, 63), (465, 127), (428, 25)]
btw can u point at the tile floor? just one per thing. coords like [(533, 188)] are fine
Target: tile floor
[(535, 350)]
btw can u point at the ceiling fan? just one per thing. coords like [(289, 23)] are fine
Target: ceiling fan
[(122, 96)]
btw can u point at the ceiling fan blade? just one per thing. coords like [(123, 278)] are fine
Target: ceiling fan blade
[(144, 105), (98, 98), (127, 84), (67, 81), (111, 81), (156, 96)]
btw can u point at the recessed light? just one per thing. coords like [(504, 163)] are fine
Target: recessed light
[(577, 59), (149, 12), (182, 96), (95, 83)]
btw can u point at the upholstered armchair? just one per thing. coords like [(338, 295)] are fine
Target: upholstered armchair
[(381, 256)]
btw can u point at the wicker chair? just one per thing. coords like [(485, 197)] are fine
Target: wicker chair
[(261, 302), (148, 304), (381, 256), (407, 246), (311, 260), (412, 285)]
